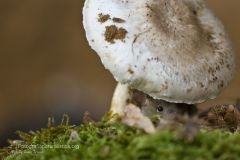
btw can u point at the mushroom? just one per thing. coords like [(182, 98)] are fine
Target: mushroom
[(170, 54)]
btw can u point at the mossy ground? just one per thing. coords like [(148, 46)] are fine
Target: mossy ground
[(115, 141)]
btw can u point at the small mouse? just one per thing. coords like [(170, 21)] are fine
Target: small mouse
[(151, 107)]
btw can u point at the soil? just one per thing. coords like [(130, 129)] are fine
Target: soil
[(222, 116), (103, 18), (118, 20), (114, 33)]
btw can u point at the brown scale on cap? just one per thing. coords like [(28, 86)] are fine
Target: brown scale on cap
[(118, 20), (114, 33), (103, 18)]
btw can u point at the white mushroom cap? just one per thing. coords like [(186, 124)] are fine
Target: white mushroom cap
[(174, 50)]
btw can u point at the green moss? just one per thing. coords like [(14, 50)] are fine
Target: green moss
[(115, 141)]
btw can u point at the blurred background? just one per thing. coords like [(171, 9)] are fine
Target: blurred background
[(47, 68)]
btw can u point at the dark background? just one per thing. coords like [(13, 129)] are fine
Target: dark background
[(47, 68)]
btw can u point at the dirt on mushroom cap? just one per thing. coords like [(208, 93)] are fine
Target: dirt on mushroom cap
[(114, 33), (118, 20), (103, 18)]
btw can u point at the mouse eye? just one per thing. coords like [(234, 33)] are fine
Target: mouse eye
[(149, 97), (159, 108)]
